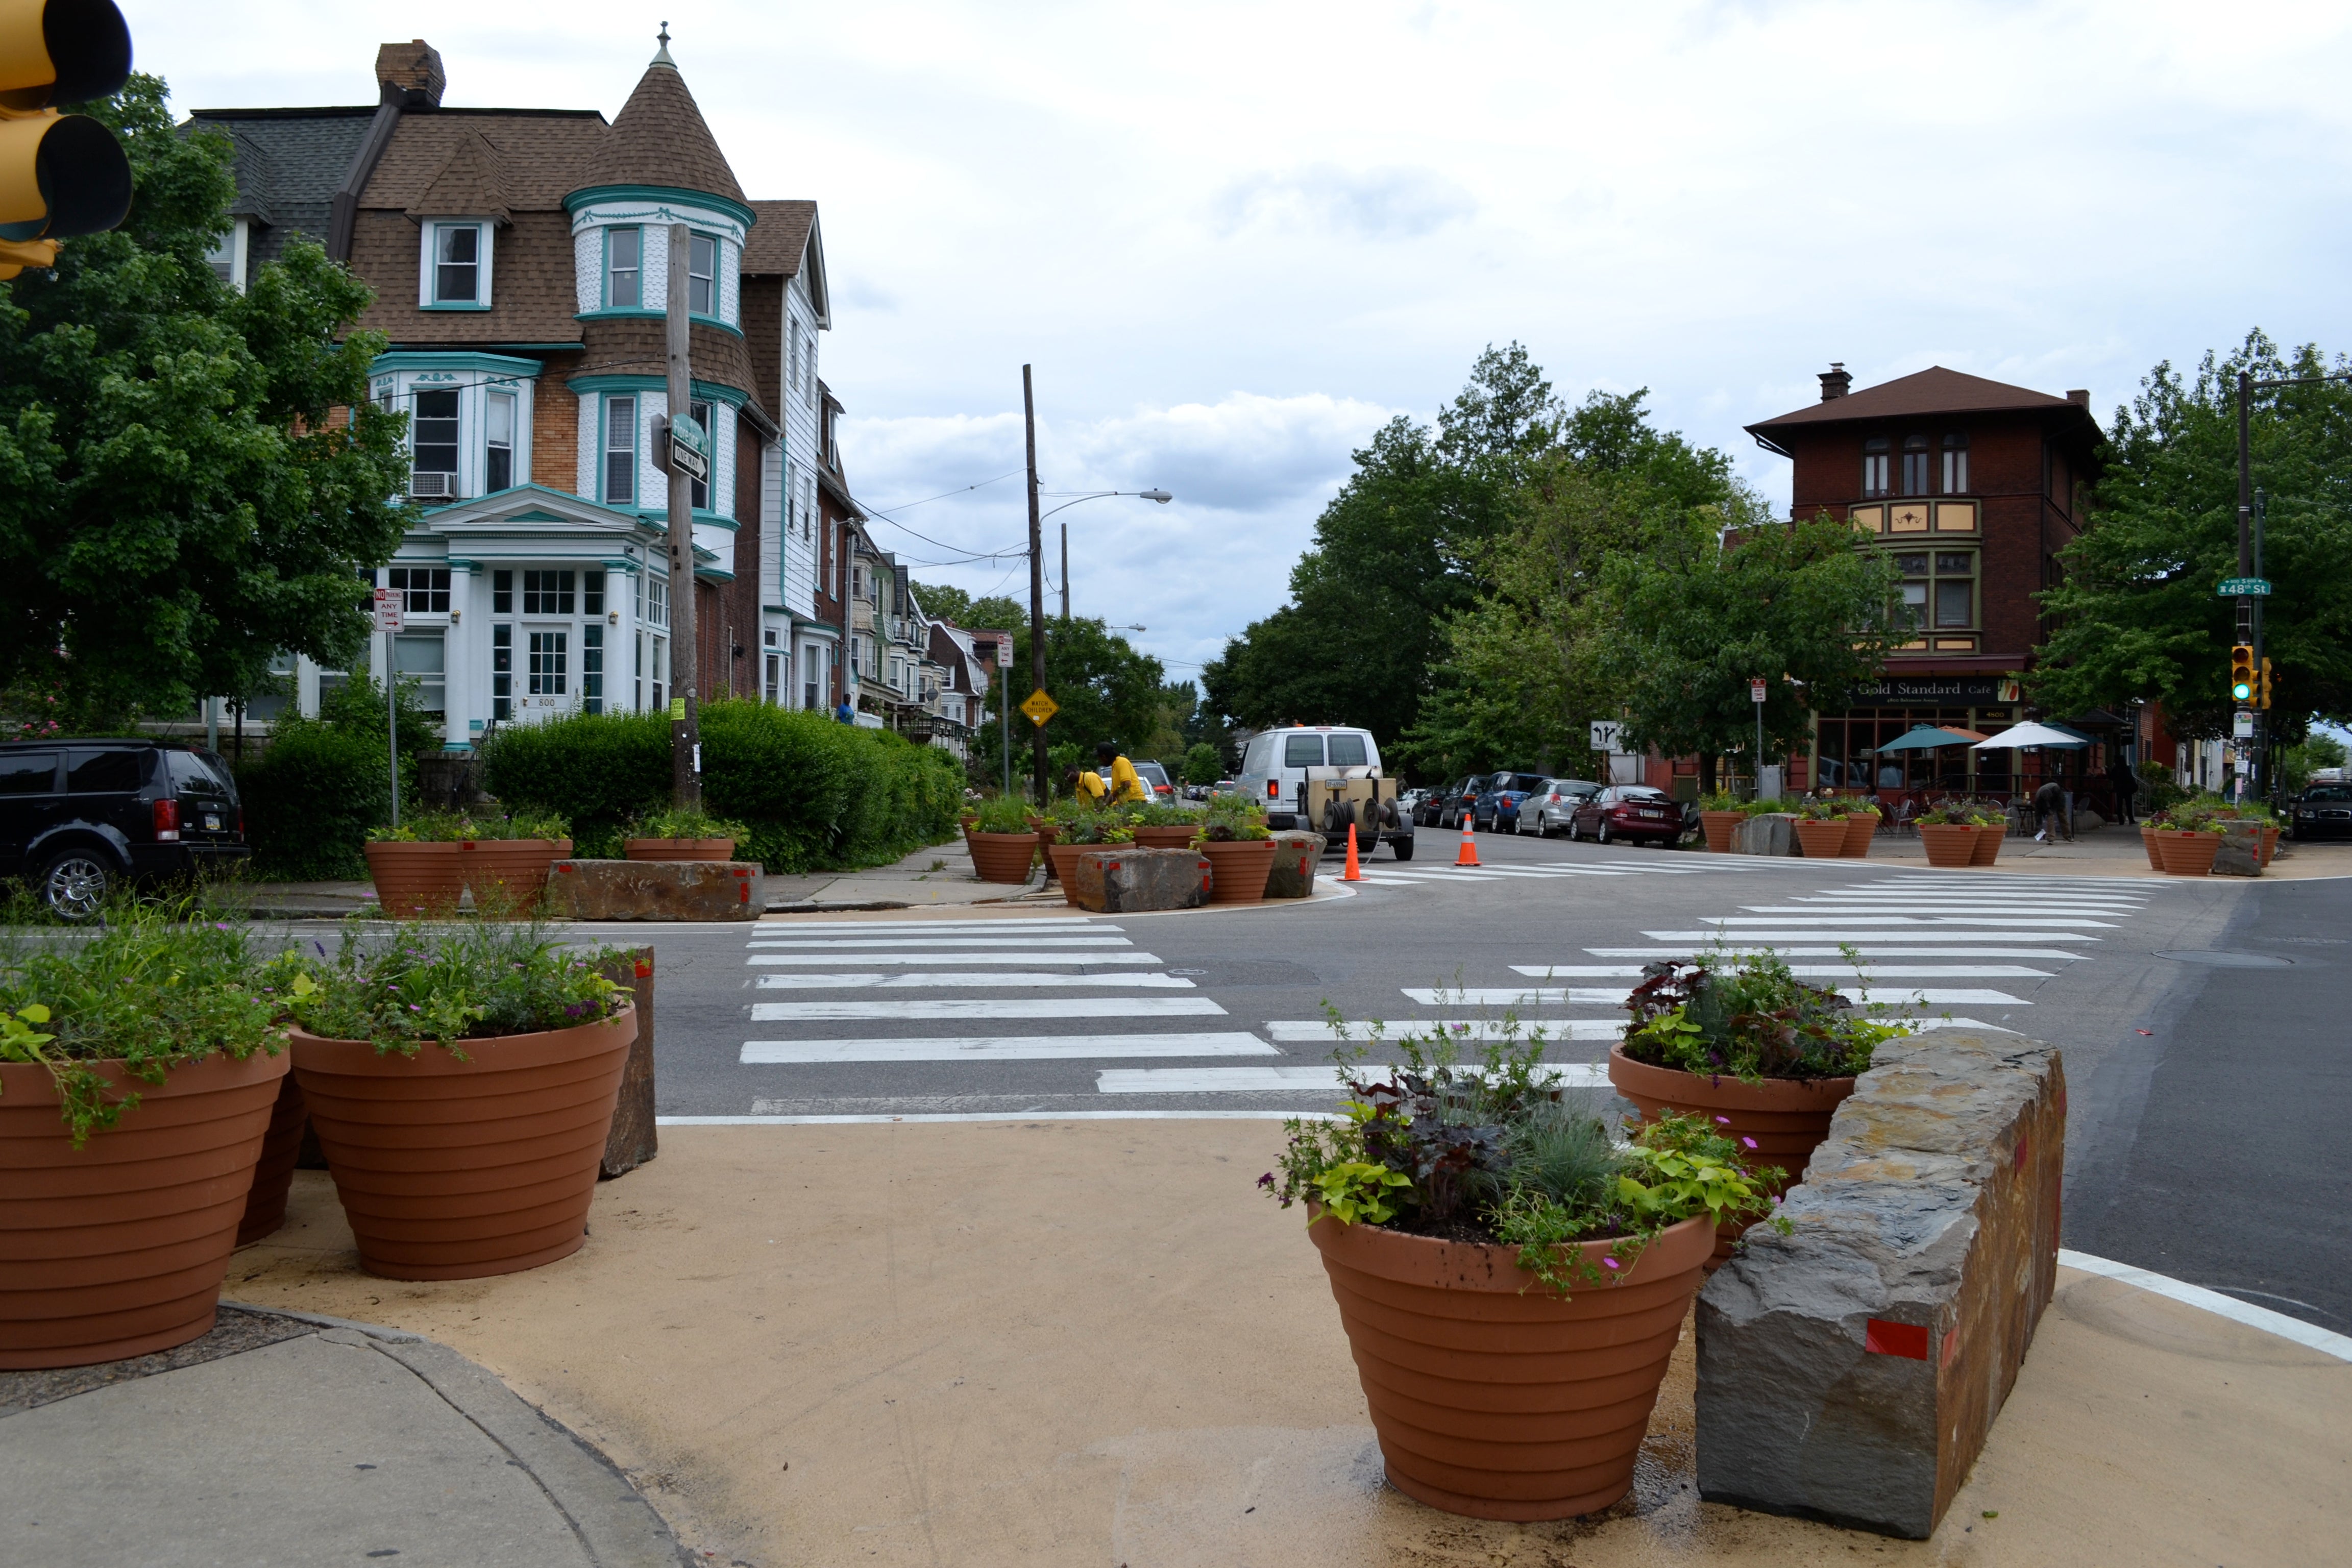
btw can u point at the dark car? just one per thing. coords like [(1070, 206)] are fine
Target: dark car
[(1498, 803), (2320, 811), (1627, 811), (78, 818), (1458, 799)]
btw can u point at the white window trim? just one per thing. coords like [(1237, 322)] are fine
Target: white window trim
[(238, 242), (427, 232)]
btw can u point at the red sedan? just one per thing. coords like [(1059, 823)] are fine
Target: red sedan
[(1634, 812)]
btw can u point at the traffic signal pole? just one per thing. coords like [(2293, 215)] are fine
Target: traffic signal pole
[(1036, 586), (2250, 606)]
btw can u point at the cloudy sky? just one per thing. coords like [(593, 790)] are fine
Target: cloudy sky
[(1235, 239)]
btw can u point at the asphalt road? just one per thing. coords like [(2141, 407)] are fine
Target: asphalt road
[(2208, 1103)]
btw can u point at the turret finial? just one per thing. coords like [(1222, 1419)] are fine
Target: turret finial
[(661, 55)]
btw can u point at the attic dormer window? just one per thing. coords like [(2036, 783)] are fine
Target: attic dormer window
[(457, 265)]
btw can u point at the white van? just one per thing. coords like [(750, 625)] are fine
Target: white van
[(1277, 764)]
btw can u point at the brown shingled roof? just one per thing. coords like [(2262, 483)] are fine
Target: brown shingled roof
[(471, 180), (659, 139), (1931, 391), (540, 157), (779, 240)]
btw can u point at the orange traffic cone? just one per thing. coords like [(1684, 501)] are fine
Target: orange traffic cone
[(1351, 874), (1469, 856)]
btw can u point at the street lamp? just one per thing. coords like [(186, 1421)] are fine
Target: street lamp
[(1161, 496)]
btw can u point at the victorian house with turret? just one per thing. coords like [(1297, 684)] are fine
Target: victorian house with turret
[(520, 260)]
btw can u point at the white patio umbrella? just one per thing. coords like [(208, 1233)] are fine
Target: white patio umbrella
[(2030, 734)]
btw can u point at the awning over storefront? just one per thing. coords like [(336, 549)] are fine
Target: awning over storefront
[(1928, 738), (2019, 736)]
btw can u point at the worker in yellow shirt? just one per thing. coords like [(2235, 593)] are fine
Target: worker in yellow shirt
[(1125, 785), (1086, 784)]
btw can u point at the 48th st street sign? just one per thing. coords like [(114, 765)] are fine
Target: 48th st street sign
[(2244, 588)]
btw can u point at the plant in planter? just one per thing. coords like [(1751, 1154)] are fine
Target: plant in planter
[(462, 1080), (1821, 829), (1862, 820), (1950, 833), (1764, 1056), (692, 835), (423, 866), (1239, 846), (1080, 825), (2187, 839), (1719, 817), (1163, 825), (1003, 842), (138, 1070), (1511, 1281)]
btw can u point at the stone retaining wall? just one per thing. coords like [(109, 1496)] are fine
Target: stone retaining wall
[(1851, 1370)]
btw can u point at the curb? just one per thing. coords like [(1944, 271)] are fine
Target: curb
[(615, 1525)]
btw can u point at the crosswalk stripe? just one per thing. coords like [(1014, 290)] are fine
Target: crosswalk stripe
[(1008, 922), (1286, 1079), (1014, 979), (1074, 959), (903, 943), (1690, 952), (1737, 940), (1938, 907), (1604, 996), (918, 1008), (1797, 923), (1002, 1048), (1316, 1031), (1803, 971)]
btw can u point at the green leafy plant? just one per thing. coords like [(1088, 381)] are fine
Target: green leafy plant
[(1750, 1019), (444, 984), (1164, 814), (689, 823), (154, 989), (1498, 1151), (1080, 823), (1720, 800), (459, 827), (1231, 818), (1001, 813)]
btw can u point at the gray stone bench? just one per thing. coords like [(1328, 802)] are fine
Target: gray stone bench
[(656, 890), (1129, 881), (1850, 1371)]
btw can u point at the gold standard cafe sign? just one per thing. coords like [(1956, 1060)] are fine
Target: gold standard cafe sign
[(1040, 708)]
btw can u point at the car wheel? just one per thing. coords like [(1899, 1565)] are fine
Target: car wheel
[(1604, 830), (1402, 849), (1573, 837), (74, 885)]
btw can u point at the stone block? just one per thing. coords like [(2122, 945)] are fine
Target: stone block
[(633, 1140), (1772, 834), (656, 890), (1296, 857), (1129, 881), (1851, 1370), (2241, 851)]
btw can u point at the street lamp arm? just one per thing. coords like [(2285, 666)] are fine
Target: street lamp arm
[(1161, 496)]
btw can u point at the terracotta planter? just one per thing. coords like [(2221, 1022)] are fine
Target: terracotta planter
[(1493, 1395), (2270, 842), (1861, 827), (1788, 1117), (2189, 854), (1238, 869), (118, 1249), (509, 875), (2147, 842), (1179, 837), (1823, 840), (1988, 846), (1949, 843), (677, 848), (1002, 856), (451, 1169), (1063, 859), (416, 880), (1718, 826), (273, 1174)]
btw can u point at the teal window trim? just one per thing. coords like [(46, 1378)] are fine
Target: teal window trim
[(603, 434), (592, 194), (454, 305), (620, 313), (490, 364), (703, 518), (710, 391)]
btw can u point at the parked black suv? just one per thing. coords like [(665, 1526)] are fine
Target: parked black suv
[(77, 818)]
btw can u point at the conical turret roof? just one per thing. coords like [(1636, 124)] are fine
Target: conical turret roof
[(659, 139)]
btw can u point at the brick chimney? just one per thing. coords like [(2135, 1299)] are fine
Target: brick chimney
[(410, 74), (1835, 382), (2081, 394)]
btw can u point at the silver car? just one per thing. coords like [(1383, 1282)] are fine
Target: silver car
[(1546, 811)]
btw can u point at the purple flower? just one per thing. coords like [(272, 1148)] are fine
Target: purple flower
[(1723, 1121), (1266, 1180), (320, 945), (1610, 1263), (1749, 1142)]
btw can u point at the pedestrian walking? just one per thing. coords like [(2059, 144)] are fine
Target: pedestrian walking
[(1126, 783), (2127, 787), (2050, 813), (845, 714)]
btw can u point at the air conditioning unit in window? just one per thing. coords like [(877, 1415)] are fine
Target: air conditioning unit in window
[(423, 485)]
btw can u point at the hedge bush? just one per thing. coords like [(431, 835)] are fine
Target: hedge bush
[(819, 795), (310, 801)]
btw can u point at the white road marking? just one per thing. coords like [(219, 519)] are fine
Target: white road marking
[(813, 959), (914, 1007), (2309, 1335), (1003, 1049), (872, 1120), (1736, 942), (975, 941), (1315, 1031), (1846, 909), (1017, 922), (1803, 971), (1283, 1079), (1605, 996), (1037, 982), (1797, 923), (1690, 954)]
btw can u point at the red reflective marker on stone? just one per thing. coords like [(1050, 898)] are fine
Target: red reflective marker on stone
[(1880, 1337)]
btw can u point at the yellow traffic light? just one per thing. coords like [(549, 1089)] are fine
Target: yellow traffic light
[(60, 175), (2262, 686), (2241, 673)]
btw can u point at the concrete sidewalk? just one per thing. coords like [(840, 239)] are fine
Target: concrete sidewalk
[(2114, 851), (287, 1439), (1093, 1342)]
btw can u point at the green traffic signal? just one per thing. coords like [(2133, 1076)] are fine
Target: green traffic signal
[(2240, 692)]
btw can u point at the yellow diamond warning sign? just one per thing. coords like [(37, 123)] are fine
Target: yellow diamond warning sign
[(1040, 707)]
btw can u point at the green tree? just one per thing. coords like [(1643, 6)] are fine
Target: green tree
[(1107, 689), (2136, 616), (1202, 765), (1719, 596), (189, 479)]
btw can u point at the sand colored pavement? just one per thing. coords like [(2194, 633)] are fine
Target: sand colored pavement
[(1094, 1343)]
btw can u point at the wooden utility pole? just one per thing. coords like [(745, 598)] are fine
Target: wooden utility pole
[(685, 717), (1036, 586)]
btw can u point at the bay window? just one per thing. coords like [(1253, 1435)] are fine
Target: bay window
[(498, 442), (701, 275), (620, 451), (699, 411), (432, 442), (623, 269)]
